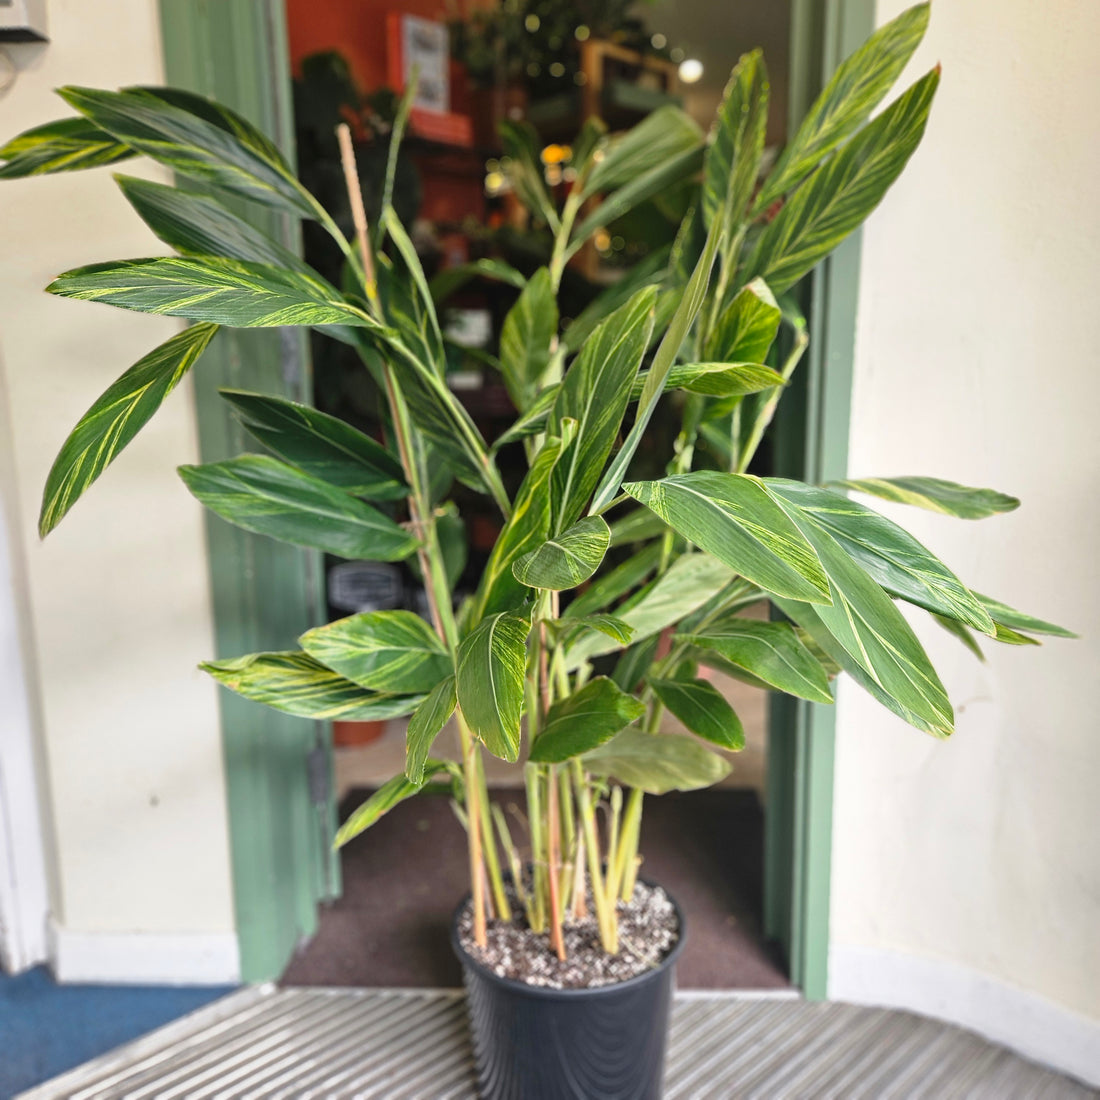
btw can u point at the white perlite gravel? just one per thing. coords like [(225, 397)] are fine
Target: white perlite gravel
[(648, 930)]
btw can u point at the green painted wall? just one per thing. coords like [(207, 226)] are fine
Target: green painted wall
[(264, 593), (813, 445)]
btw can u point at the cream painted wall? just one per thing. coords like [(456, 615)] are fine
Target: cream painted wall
[(119, 592), (978, 338)]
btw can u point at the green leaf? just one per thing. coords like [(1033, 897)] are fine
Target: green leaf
[(197, 225), (454, 278), (532, 422), (524, 169), (609, 625), (703, 709), (733, 159), (661, 175), (1018, 620), (669, 349), (665, 133), (491, 666), (322, 445), (953, 626), (196, 138), (424, 727), (690, 581), (383, 800), (68, 145), (529, 328), (870, 628), (657, 763), (595, 393), (226, 292), (639, 525), (770, 653), (115, 418), (649, 271), (747, 327), (853, 92), (735, 518), (808, 619), (441, 417), (394, 651), (605, 590), (565, 560), (634, 663), (267, 496), (935, 495), (1007, 636), (842, 192), (295, 683), (525, 529), (715, 379), (429, 332), (584, 720), (890, 554)]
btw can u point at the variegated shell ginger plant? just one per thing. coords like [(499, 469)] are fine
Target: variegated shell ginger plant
[(554, 659)]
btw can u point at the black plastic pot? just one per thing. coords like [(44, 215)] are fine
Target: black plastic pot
[(532, 1043)]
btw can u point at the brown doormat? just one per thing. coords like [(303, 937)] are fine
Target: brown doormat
[(404, 877)]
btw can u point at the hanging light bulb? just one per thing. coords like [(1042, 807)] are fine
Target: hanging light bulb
[(691, 70)]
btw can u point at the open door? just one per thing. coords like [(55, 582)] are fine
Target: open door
[(278, 768)]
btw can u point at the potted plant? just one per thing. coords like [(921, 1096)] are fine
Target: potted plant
[(554, 659)]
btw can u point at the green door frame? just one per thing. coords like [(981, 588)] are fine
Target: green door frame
[(814, 447), (265, 594)]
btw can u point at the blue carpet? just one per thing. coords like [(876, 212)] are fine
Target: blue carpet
[(46, 1028)]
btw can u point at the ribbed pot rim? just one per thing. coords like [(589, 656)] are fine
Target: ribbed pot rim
[(546, 993)]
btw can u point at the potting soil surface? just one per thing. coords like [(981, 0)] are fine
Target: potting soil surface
[(405, 875)]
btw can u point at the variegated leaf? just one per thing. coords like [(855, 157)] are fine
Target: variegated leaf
[(842, 192), (873, 632), (853, 92), (226, 292), (584, 720), (1019, 621), (595, 393), (733, 159), (609, 587), (657, 762), (715, 379), (935, 495), (703, 709), (525, 339), (197, 225), (196, 138), (115, 418), (295, 683), (747, 327), (890, 554), (490, 672), (384, 799), (392, 651), (770, 653), (68, 145), (565, 560), (735, 518), (324, 446), (271, 498), (425, 724)]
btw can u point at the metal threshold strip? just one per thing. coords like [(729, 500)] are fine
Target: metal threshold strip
[(264, 1043)]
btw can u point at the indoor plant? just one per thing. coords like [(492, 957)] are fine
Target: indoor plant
[(703, 327)]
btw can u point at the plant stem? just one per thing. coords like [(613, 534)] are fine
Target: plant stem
[(767, 409), (553, 826), (492, 860), (539, 888), (628, 844), (605, 914)]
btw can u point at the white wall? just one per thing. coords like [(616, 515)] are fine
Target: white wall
[(119, 592), (966, 875)]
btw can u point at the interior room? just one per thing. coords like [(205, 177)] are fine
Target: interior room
[(521, 631)]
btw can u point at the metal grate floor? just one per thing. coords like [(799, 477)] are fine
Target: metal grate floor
[(335, 1044)]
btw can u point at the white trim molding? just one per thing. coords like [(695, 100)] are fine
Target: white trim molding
[(1025, 1022), (144, 958)]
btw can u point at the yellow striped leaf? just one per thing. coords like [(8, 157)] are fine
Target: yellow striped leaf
[(565, 560), (115, 418), (68, 145), (295, 683), (935, 495)]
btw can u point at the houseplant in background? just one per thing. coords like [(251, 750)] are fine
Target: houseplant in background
[(554, 658)]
